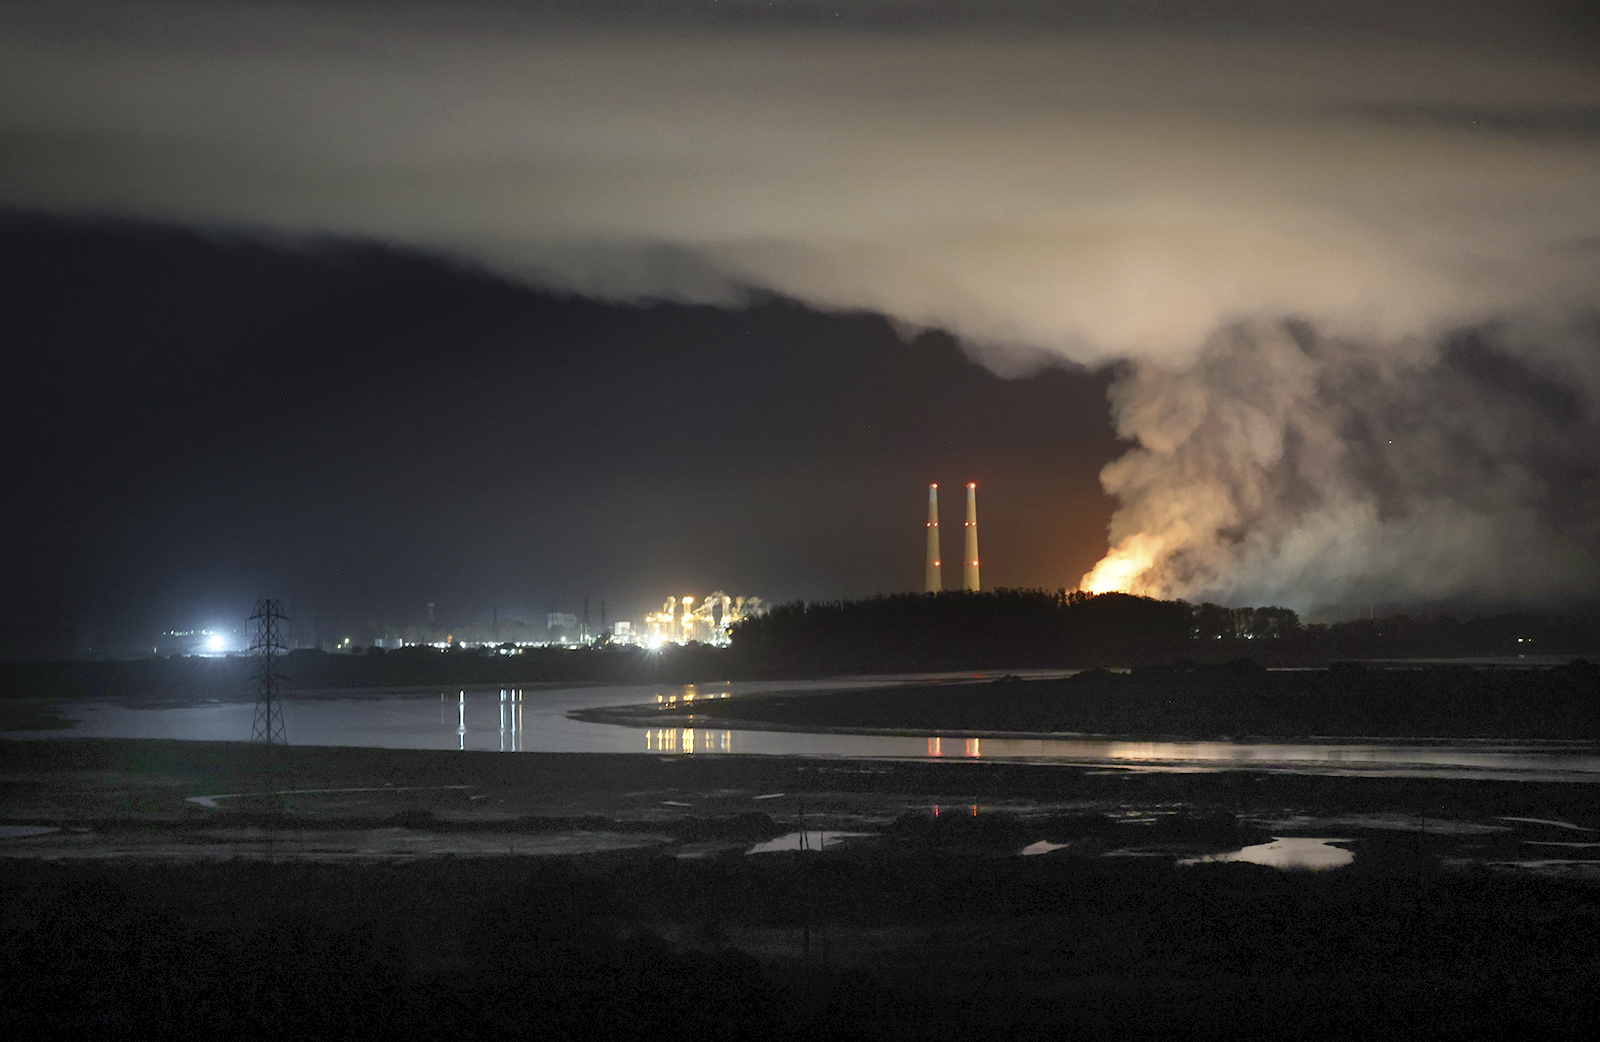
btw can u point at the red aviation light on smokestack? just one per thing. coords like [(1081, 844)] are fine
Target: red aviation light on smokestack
[(970, 565), (931, 575)]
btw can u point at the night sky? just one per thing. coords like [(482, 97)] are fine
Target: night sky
[(503, 305), (205, 418)]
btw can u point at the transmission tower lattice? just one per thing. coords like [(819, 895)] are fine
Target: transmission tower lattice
[(271, 682)]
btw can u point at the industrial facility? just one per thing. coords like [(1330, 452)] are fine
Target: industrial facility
[(969, 564), (933, 574), (680, 622)]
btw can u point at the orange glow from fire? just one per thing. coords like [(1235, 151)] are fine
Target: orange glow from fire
[(1121, 570)]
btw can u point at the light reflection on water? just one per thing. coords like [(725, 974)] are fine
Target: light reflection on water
[(968, 747), (687, 740), (535, 720), (510, 709)]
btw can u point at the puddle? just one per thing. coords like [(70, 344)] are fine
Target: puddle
[(333, 845), (1580, 868), (24, 831), (1392, 821), (1304, 852), (808, 840), (1547, 821), (211, 801), (1044, 846)]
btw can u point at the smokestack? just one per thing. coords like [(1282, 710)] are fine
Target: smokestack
[(969, 570), (934, 584)]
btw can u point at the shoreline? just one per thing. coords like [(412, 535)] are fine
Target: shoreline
[(1239, 701), (649, 715)]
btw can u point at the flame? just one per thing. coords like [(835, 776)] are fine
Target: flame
[(1120, 570)]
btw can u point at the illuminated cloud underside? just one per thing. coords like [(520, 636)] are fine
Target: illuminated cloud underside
[(1166, 199)]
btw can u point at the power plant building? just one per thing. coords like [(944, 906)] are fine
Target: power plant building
[(679, 621)]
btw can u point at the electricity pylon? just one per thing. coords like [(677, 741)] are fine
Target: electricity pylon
[(269, 676)]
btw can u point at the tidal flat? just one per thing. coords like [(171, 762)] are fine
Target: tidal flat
[(1443, 701), (213, 888)]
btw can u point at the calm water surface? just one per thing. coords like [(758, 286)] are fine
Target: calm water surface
[(535, 720)]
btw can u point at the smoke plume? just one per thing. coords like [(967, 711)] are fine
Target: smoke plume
[(1281, 465), (1345, 264)]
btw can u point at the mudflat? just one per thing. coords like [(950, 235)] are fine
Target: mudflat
[(222, 887), (69, 781)]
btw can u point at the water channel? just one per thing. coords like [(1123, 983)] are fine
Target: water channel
[(536, 720)]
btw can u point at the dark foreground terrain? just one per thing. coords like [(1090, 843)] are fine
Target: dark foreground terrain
[(903, 944), (304, 897)]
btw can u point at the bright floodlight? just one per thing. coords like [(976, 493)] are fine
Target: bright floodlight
[(216, 642)]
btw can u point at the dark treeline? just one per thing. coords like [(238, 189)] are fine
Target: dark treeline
[(1276, 635), (959, 630), (1037, 628)]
